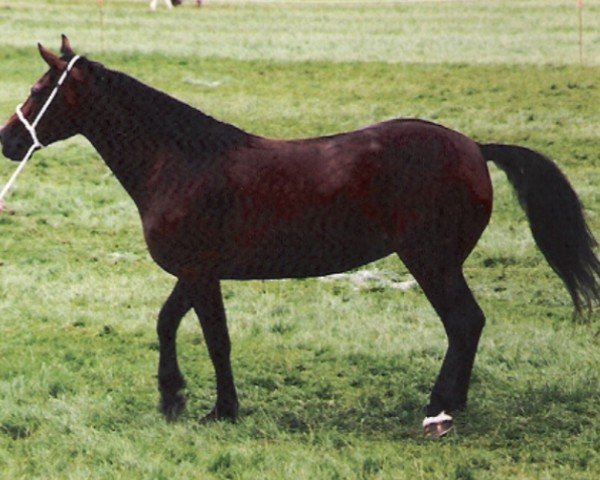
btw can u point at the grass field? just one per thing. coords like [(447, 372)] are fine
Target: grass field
[(332, 376)]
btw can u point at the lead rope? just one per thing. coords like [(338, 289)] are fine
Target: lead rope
[(30, 127)]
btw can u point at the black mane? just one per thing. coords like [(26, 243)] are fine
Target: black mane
[(164, 118)]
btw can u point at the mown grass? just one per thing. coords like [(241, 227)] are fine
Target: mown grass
[(331, 378), (517, 31)]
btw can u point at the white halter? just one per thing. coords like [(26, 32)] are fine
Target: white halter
[(31, 126)]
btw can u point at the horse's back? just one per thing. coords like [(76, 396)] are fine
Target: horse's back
[(390, 171)]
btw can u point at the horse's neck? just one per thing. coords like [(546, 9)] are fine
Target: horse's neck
[(135, 128)]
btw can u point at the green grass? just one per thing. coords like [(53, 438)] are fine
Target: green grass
[(522, 31), (331, 377)]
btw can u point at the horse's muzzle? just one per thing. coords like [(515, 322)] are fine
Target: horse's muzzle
[(13, 148)]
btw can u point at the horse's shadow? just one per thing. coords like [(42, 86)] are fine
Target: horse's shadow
[(383, 398)]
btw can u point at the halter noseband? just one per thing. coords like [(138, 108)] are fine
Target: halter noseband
[(30, 127)]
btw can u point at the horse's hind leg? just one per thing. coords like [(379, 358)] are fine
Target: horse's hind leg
[(170, 379), (463, 320), (434, 251), (444, 220)]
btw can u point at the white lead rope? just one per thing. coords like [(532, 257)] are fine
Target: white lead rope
[(31, 128)]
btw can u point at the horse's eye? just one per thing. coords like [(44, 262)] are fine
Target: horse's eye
[(35, 91)]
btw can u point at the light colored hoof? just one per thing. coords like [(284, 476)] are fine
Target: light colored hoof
[(439, 426)]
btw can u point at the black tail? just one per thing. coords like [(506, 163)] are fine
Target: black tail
[(556, 218)]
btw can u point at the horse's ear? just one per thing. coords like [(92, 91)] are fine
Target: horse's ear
[(52, 60), (65, 47)]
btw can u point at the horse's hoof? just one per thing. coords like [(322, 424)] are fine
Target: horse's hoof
[(209, 417), (217, 415), (172, 406), (439, 426)]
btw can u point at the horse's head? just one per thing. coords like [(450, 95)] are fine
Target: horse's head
[(60, 114)]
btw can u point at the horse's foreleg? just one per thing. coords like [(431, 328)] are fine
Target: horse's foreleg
[(170, 379), (208, 304)]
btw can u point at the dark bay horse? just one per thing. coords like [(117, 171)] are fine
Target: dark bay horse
[(219, 203)]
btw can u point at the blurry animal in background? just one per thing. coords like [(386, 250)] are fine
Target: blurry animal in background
[(171, 3), (168, 3)]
